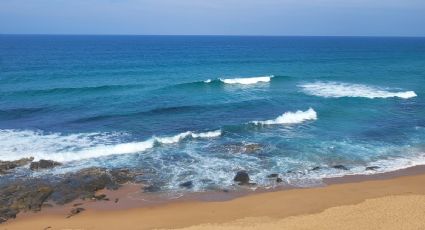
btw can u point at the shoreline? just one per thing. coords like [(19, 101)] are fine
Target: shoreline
[(222, 207)]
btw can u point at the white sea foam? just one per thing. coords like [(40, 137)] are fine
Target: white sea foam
[(246, 81), (15, 144), (290, 118), (340, 89), (207, 81)]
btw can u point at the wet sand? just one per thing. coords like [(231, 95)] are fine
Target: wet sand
[(385, 201)]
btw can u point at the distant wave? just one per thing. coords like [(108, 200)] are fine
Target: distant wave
[(20, 112), (63, 148), (340, 89), (74, 89), (290, 118), (246, 81)]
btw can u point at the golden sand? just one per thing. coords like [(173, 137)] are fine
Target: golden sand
[(397, 203)]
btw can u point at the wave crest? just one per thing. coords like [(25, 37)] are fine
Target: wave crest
[(340, 89), (63, 148), (246, 81), (290, 118)]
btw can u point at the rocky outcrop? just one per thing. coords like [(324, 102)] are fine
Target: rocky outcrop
[(31, 194), (242, 178), (8, 165), (23, 196), (43, 164), (187, 185)]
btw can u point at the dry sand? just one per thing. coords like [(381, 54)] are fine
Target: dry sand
[(397, 203)]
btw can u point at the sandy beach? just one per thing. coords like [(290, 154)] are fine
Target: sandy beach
[(377, 203)]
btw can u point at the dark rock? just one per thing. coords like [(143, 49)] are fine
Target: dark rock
[(122, 176), (372, 168), (279, 180), (341, 167), (315, 168), (116, 200), (84, 183), (242, 178), (8, 165), (75, 211), (31, 194), (273, 175), (43, 164), (22, 196), (152, 188), (187, 185)]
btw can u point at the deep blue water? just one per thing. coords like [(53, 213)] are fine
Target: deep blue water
[(108, 101)]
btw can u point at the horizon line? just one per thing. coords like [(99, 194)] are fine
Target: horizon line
[(210, 35)]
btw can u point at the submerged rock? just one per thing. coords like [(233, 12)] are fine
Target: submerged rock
[(279, 180), (239, 148), (316, 168), (250, 148), (8, 165), (273, 175), (187, 185), (242, 178), (372, 168), (43, 164), (341, 167)]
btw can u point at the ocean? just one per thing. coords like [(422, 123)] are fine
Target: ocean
[(201, 108)]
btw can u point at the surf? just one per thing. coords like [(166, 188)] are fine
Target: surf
[(290, 118), (17, 144), (341, 89), (246, 81)]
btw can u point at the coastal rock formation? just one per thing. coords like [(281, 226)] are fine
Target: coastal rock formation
[(31, 194), (43, 164), (22, 196), (86, 182), (242, 178), (8, 165)]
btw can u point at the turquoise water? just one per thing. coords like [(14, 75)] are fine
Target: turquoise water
[(200, 108)]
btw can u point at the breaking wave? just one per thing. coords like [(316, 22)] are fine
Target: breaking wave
[(290, 118), (340, 89), (63, 148), (245, 81)]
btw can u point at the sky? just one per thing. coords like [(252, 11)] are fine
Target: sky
[(215, 17)]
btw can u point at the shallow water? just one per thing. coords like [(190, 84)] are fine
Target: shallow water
[(201, 108)]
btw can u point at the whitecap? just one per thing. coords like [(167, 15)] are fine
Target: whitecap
[(290, 118), (16, 144), (340, 89), (247, 81)]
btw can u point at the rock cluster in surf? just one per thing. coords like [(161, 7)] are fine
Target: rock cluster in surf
[(31, 194)]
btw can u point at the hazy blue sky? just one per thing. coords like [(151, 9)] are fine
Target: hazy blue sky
[(230, 17)]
